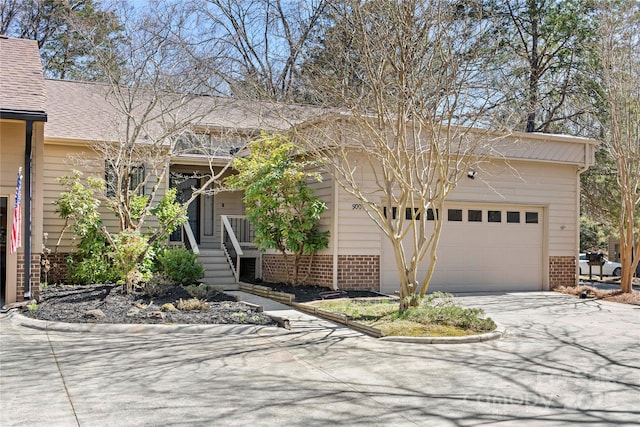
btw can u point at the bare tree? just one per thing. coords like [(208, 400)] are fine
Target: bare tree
[(620, 54), (412, 123), (264, 42), (156, 104)]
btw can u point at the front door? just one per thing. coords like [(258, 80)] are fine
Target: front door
[(185, 187)]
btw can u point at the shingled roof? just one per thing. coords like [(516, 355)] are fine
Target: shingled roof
[(87, 111), (21, 79)]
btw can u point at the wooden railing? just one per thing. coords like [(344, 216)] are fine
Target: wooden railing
[(191, 239), (242, 229), (231, 246)]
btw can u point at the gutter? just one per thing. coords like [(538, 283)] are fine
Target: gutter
[(589, 160), (33, 116), (27, 207)]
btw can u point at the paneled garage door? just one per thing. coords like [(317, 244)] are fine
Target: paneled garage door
[(482, 248)]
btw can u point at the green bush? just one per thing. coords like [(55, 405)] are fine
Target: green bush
[(181, 265), (440, 308), (158, 285), (93, 263)]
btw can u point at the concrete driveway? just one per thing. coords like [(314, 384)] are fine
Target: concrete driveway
[(564, 361)]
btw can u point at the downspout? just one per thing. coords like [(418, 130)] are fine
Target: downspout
[(588, 154), (334, 234), (27, 207)]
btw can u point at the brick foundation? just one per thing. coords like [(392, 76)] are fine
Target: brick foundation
[(354, 271), (562, 271), (359, 272), (57, 268), (35, 276)]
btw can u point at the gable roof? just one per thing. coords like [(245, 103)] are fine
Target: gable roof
[(21, 81)]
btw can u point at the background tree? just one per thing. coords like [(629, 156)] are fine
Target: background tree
[(278, 200), (619, 48), (421, 90), (541, 66), (262, 43), (53, 24)]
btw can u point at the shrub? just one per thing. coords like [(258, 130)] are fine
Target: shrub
[(203, 291), (440, 308), (93, 263), (193, 304), (168, 307), (130, 247), (181, 265), (158, 286)]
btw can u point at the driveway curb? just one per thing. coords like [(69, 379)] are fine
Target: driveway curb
[(19, 319), (466, 339)]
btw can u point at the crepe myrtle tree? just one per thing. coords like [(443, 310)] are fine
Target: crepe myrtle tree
[(411, 128), (154, 103), (619, 50), (279, 202)]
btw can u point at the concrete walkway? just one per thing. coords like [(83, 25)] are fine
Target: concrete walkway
[(564, 362)]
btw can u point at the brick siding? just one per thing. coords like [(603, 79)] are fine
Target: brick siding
[(35, 276), (57, 268), (359, 272), (562, 271), (354, 271)]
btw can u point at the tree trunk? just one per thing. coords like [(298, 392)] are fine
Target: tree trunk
[(534, 70)]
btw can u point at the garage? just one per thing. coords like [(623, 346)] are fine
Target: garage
[(483, 248)]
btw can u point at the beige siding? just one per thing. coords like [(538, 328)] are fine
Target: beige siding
[(358, 233), (226, 203), (12, 134), (550, 185), (11, 153), (12, 149), (61, 160), (11, 158), (324, 190), (550, 189)]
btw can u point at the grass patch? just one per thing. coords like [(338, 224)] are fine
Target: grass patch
[(437, 315)]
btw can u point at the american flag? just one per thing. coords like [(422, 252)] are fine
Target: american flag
[(16, 228)]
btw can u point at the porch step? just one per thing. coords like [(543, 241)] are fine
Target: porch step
[(217, 271)]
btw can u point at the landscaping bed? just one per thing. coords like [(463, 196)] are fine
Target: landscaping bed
[(110, 304), (436, 316), (307, 293), (593, 292)]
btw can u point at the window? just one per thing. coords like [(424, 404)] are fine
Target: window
[(415, 215), (474, 215), (494, 216), (513, 217), (454, 214), (193, 143), (394, 212), (136, 177), (430, 216), (531, 217)]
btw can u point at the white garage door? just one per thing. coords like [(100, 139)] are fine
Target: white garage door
[(482, 248)]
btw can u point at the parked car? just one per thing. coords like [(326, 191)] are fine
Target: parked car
[(609, 268)]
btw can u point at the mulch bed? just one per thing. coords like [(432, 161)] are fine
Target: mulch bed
[(110, 304), (308, 293), (78, 304)]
